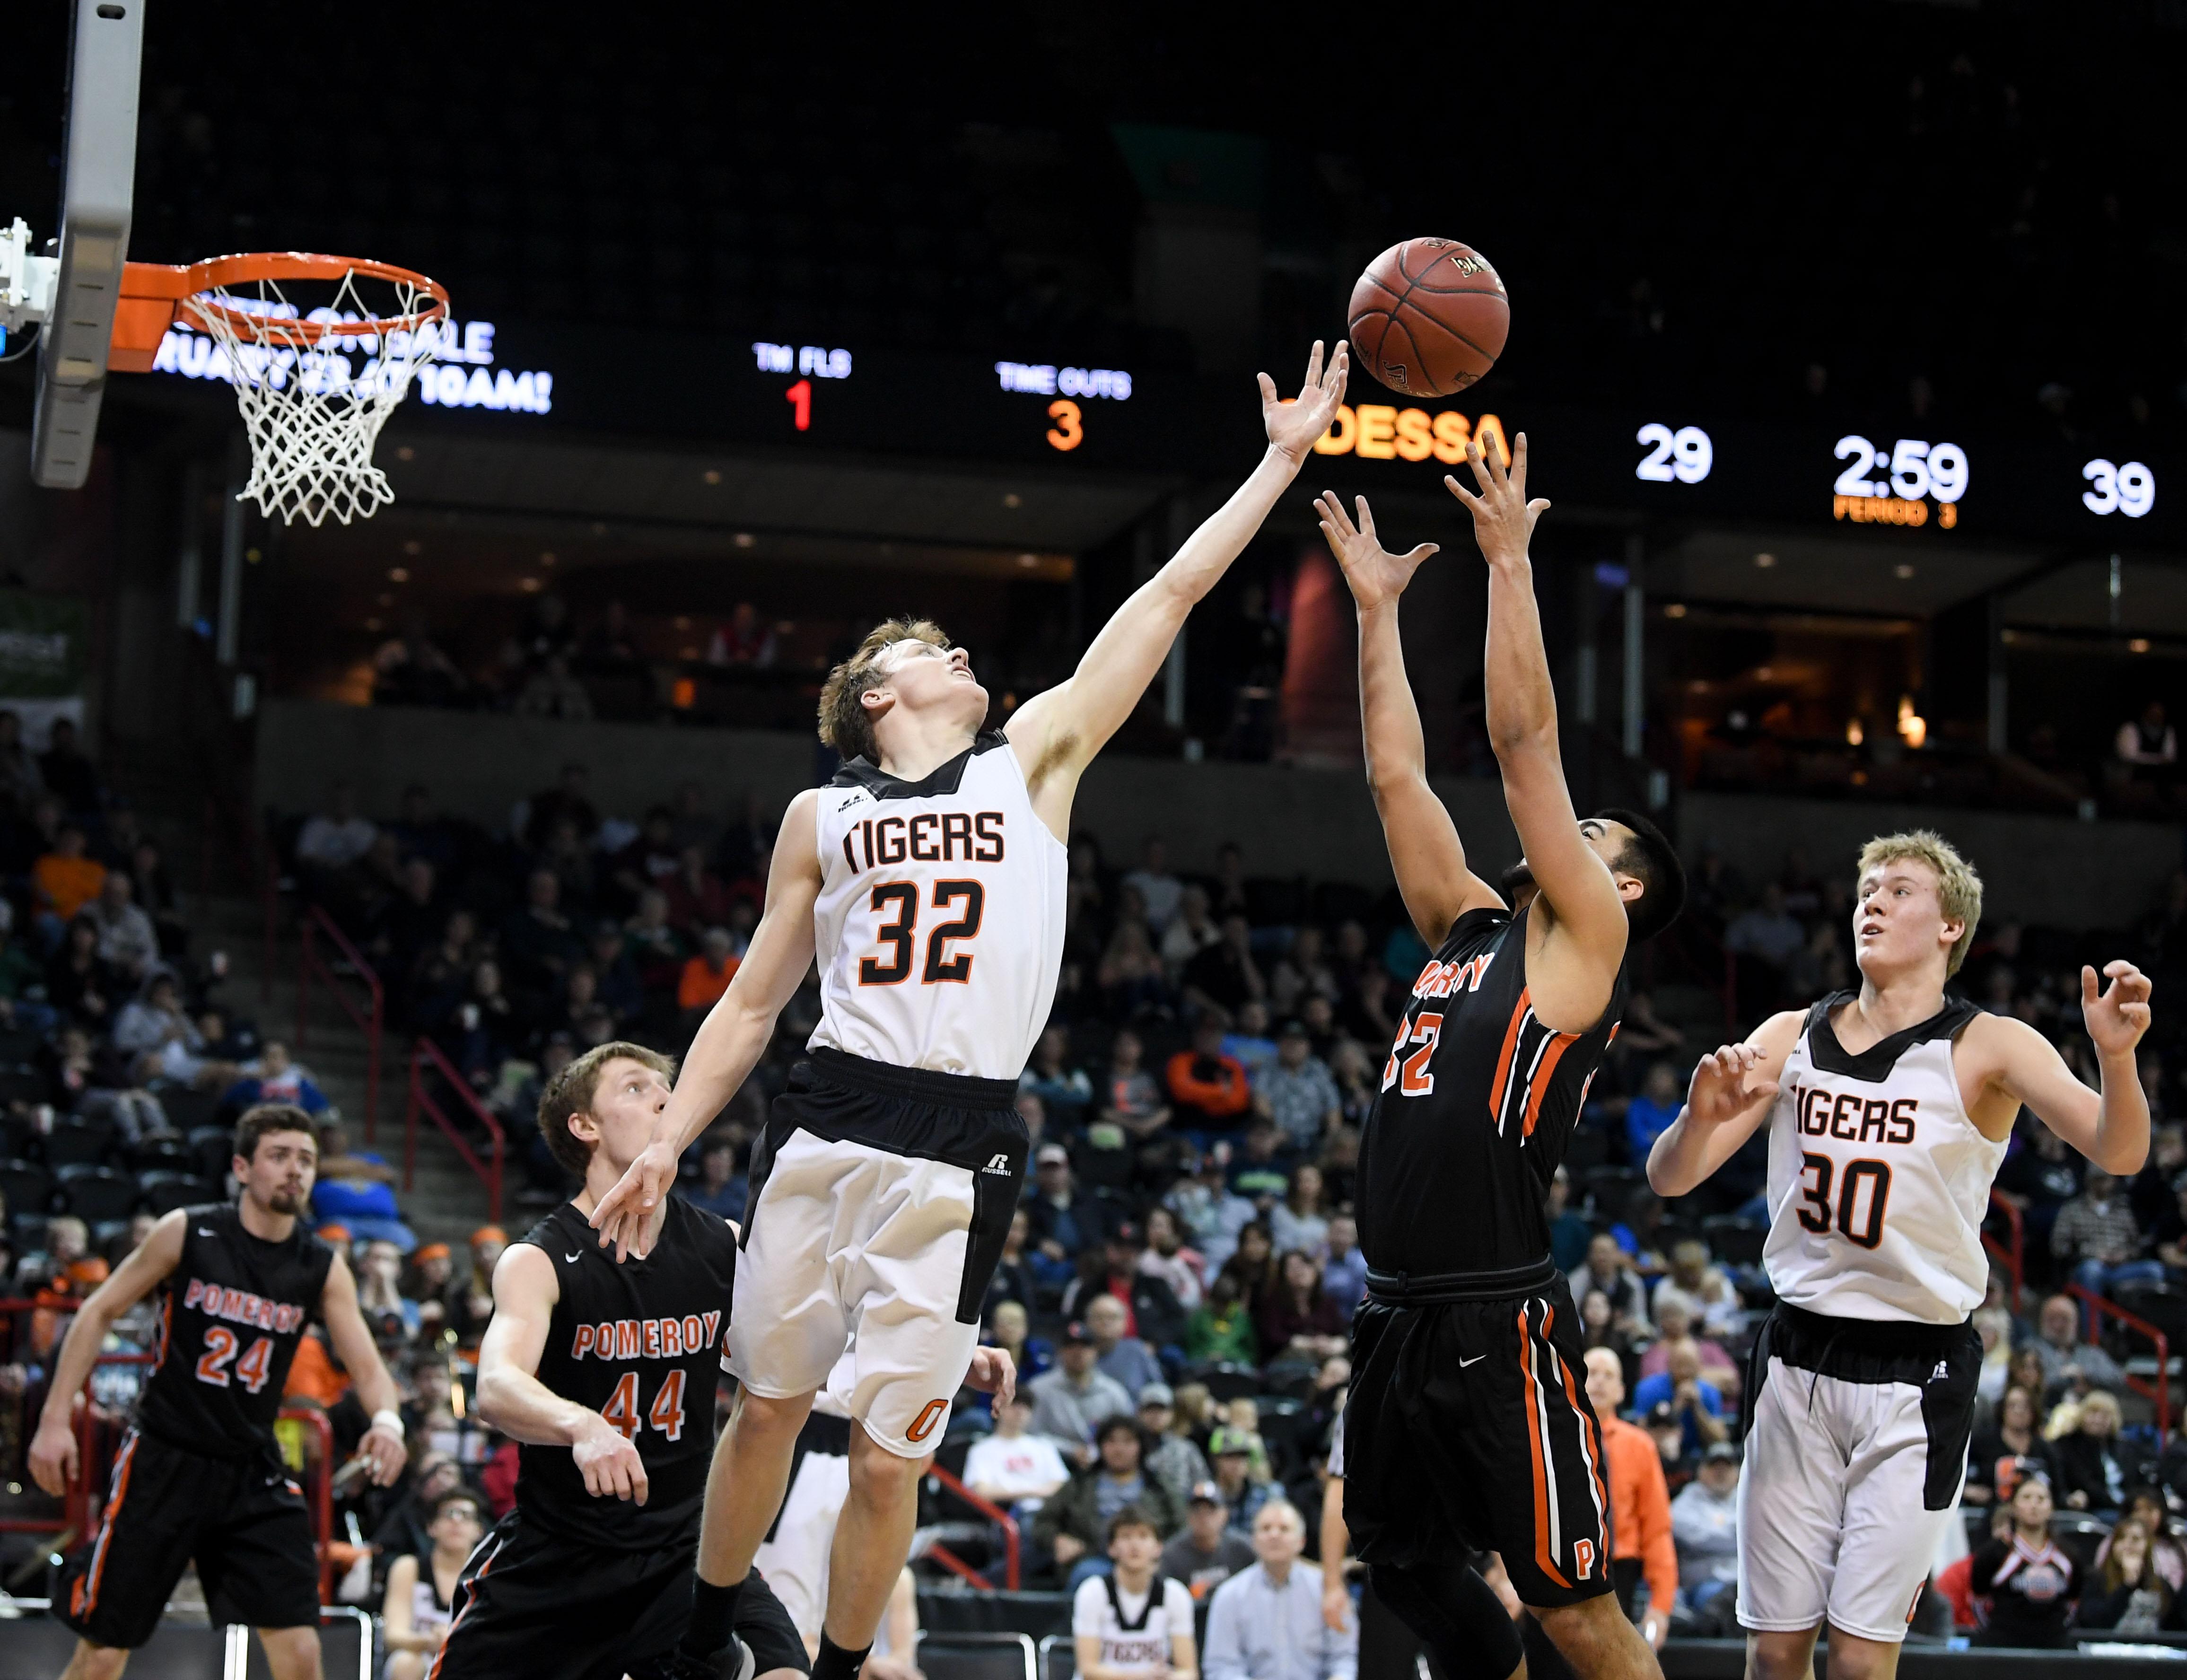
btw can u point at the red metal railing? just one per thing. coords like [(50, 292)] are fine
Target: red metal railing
[(75, 1520), (2014, 1253), (995, 1514), (314, 924), (321, 1468), (425, 1055), (92, 1467), (2158, 1393)]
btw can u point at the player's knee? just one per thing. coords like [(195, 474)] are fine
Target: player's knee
[(875, 1470), (96, 1662), (1585, 1624), (765, 1414), (1852, 1658), (1783, 1656), (292, 1653)]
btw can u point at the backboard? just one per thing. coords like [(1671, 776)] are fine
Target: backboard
[(98, 179)]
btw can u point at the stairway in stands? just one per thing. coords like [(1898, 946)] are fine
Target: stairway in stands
[(446, 1202)]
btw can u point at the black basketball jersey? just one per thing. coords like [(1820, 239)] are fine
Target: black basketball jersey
[(234, 1310), (1477, 1104), (640, 1343)]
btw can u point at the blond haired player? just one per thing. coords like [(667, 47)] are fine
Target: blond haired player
[(1889, 1109), (927, 881)]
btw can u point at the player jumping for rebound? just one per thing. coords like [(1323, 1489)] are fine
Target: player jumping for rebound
[(929, 878), (1889, 1109), (1468, 1428), (606, 1375), (198, 1474)]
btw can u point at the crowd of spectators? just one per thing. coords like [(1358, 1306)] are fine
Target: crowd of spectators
[(1178, 1283), (1179, 1280)]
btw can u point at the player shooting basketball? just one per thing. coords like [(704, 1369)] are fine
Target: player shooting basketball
[(1468, 1429), (928, 878)]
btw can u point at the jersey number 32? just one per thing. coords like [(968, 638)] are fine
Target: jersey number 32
[(898, 901)]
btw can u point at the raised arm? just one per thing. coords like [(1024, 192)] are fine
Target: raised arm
[(382, 1446), (2109, 1126), (513, 1400), (1056, 733), (1588, 912), (53, 1464), (733, 1036), (1426, 852), (1731, 1094)]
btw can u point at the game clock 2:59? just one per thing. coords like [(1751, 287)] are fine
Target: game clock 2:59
[(1918, 473)]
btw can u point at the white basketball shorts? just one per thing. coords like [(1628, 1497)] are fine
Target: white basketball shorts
[(1856, 1451), (881, 1200)]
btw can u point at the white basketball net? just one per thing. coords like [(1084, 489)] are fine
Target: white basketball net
[(313, 412)]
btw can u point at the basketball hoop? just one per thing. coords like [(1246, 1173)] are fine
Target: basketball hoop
[(311, 412)]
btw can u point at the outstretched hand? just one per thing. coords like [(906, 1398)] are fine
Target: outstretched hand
[(1723, 1087), (1294, 427), (1376, 576), (1503, 518), (2118, 1015)]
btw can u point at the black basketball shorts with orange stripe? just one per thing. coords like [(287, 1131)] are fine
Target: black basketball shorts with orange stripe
[(1469, 1425), (243, 1521)]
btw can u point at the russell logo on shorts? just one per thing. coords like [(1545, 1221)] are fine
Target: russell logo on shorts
[(1000, 1164)]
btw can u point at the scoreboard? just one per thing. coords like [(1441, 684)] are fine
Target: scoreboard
[(1935, 487)]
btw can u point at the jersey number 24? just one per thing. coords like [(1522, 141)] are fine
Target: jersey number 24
[(251, 1370)]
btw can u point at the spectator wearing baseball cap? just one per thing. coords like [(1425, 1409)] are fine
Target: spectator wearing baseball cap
[(1212, 1212), (1206, 1553), (1704, 1523), (1176, 1462), (1062, 1224), (1231, 1451), (1075, 1398)]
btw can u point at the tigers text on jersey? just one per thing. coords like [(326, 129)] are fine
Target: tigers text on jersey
[(1878, 1179), (939, 925), (1135, 1629), (235, 1308), (1477, 1104), (641, 1344)]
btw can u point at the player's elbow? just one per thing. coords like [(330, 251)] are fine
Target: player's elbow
[(493, 1397), (2124, 1158), (1522, 741)]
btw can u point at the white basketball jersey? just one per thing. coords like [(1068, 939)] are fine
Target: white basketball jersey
[(1878, 1180), (1135, 1629), (939, 926)]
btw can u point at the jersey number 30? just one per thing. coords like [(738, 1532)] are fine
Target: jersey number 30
[(898, 900), (1854, 1224), (665, 1414)]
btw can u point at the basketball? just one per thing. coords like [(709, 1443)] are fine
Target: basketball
[(1429, 316)]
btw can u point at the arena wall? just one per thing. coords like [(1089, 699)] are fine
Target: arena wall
[(1316, 823)]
